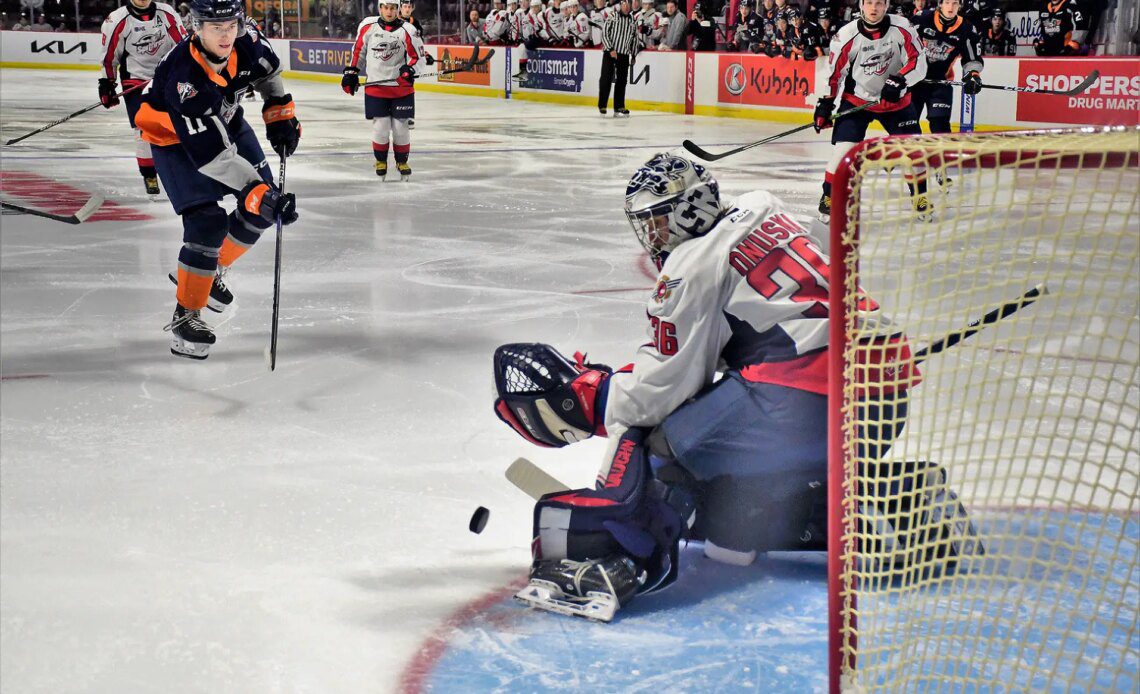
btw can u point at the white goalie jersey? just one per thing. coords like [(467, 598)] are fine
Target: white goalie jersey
[(751, 295)]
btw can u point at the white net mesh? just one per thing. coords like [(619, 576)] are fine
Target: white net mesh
[(1033, 420)]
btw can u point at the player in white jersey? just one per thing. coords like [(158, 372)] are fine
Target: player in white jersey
[(555, 23), (496, 25), (577, 24), (649, 26), (135, 38), (877, 57), (599, 13), (534, 36), (515, 34), (385, 50), (739, 460)]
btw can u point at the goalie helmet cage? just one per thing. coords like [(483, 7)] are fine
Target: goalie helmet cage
[(1033, 419)]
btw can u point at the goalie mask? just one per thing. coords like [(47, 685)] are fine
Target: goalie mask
[(546, 398), (670, 200)]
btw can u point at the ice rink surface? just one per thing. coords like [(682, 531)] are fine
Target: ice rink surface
[(170, 525)]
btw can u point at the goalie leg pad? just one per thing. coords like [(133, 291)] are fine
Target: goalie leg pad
[(622, 516)]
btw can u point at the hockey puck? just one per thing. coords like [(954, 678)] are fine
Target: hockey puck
[(478, 520)]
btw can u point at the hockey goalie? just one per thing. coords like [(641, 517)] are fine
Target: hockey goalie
[(717, 430)]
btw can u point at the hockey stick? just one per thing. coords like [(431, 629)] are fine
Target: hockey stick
[(471, 63), (1079, 89), (80, 112), (272, 353), (696, 150), (533, 480), (80, 216), (1003, 311)]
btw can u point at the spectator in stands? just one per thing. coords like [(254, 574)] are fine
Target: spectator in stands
[(809, 39), (748, 29), (473, 30), (828, 27), (768, 12), (702, 30), (998, 39), (673, 38), (22, 24), (41, 24), (407, 13)]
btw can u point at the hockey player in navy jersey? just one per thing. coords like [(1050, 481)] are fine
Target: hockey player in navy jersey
[(947, 36), (204, 150), (739, 460), (135, 38)]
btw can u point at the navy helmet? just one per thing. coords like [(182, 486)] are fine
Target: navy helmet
[(217, 11)]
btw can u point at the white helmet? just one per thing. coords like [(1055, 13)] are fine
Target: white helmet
[(682, 192)]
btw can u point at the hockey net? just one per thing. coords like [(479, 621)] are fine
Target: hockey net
[(1032, 421)]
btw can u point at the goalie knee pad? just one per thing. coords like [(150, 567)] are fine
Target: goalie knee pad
[(549, 400)]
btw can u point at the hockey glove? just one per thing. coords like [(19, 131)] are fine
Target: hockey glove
[(107, 95), (823, 109), (428, 59), (260, 199), (972, 83), (894, 89), (408, 73), (350, 82), (281, 126)]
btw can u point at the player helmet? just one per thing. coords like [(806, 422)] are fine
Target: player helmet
[(670, 200), (202, 11), (388, 2)]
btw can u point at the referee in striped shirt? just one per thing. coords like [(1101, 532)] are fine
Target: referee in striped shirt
[(619, 46)]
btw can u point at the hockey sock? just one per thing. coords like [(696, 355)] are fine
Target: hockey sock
[(143, 155), (401, 152), (194, 286), (401, 139), (146, 168), (522, 64), (241, 237), (381, 134)]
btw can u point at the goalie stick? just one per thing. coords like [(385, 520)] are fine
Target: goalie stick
[(472, 62), (81, 215), (696, 149), (66, 118), (533, 480), (1078, 89)]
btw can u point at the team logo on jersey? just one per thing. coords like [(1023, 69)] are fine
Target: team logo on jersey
[(186, 91), (937, 50), (386, 47), (664, 288), (735, 80), (876, 64)]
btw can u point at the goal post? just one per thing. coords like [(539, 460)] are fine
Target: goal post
[(984, 517)]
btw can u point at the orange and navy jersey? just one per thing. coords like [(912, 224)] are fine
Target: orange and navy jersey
[(945, 42), (380, 50), (862, 57), (999, 43), (134, 41), (1059, 20), (189, 104)]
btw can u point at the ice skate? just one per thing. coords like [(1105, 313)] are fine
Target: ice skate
[(151, 183), (220, 295), (825, 208), (593, 589), (405, 170), (923, 208), (190, 337), (381, 169)]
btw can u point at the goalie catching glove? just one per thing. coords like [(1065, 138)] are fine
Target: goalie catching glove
[(548, 399)]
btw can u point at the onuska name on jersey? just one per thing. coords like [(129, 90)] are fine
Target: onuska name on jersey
[(380, 50), (862, 58), (137, 40), (188, 103), (945, 42)]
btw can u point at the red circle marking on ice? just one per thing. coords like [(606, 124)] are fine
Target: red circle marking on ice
[(430, 652)]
